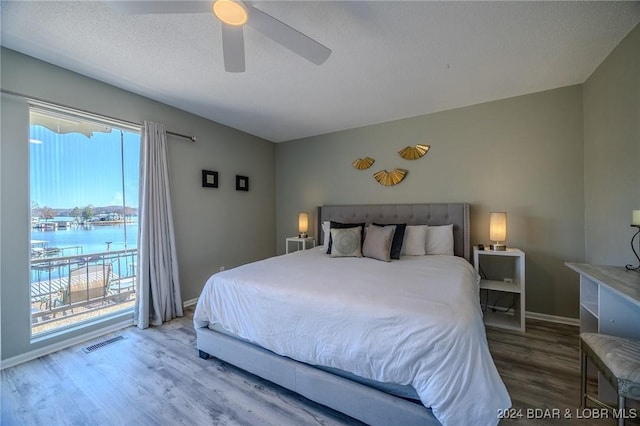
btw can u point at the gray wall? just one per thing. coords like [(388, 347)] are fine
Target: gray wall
[(562, 163), (612, 154), (214, 227), (522, 155)]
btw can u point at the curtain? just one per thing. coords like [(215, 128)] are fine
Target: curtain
[(158, 296)]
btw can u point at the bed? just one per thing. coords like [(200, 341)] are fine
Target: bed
[(349, 334)]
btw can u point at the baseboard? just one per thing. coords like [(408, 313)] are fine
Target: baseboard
[(58, 346), (552, 318), (190, 302)]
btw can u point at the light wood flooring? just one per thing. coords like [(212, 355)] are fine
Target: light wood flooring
[(155, 377)]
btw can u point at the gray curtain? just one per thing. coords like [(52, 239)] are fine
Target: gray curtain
[(158, 296)]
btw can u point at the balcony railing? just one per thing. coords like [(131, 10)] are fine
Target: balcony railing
[(66, 290)]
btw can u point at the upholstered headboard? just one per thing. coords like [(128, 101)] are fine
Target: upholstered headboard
[(411, 214)]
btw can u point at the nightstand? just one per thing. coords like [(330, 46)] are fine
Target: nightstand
[(514, 284), (300, 242)]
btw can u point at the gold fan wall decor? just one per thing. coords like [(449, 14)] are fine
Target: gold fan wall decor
[(391, 178), (414, 152), (363, 163)]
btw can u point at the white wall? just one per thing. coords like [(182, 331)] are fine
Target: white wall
[(214, 227)]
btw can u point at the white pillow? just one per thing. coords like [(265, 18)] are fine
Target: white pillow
[(440, 240), (415, 240), (326, 231)]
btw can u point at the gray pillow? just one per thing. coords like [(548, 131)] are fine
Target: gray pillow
[(398, 238), (377, 242), (346, 242)]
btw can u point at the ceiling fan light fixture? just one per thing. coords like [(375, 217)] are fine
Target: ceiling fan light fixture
[(231, 12)]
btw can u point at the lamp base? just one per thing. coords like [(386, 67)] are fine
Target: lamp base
[(302, 235), (631, 267), (498, 247)]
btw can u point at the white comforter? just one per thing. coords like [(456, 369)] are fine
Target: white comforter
[(414, 321)]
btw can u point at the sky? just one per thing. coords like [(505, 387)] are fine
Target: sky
[(73, 170)]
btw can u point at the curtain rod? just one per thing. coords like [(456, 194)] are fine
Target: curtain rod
[(131, 123)]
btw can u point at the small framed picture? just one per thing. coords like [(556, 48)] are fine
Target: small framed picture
[(242, 183), (209, 179)]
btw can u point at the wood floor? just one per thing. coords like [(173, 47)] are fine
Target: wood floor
[(155, 377), (541, 369)]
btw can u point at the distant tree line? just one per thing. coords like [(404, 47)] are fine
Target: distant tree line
[(77, 213)]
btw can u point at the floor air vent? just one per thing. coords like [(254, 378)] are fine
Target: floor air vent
[(100, 345)]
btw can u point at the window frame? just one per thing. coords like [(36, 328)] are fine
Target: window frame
[(63, 112)]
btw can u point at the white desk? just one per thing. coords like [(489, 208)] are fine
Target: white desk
[(609, 300), (299, 241), (609, 304)]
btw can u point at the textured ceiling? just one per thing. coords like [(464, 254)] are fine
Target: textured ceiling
[(390, 59)]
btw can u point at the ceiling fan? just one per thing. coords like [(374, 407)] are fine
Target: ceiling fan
[(234, 15)]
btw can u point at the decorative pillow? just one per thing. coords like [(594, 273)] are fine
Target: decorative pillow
[(377, 242), (398, 237), (440, 240), (338, 225), (415, 240), (346, 242)]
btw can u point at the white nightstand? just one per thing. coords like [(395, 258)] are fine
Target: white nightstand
[(300, 241), (510, 320)]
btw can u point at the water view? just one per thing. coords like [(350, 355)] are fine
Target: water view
[(81, 271), (83, 184), (82, 242), (87, 238)]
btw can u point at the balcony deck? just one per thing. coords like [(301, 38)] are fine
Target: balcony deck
[(66, 290), (47, 288)]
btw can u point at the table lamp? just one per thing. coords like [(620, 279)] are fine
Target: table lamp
[(498, 230), (635, 223), (303, 225)]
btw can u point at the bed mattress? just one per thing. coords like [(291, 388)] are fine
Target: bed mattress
[(406, 392), (413, 322)]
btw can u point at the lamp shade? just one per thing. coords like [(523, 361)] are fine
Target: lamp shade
[(635, 217), (498, 226), (303, 223)]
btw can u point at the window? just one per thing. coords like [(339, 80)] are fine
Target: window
[(83, 178)]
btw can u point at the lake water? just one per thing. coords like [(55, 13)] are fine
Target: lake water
[(85, 240), (92, 238)]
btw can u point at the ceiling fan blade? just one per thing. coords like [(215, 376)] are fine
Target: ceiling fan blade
[(287, 36), (135, 7), (233, 48)]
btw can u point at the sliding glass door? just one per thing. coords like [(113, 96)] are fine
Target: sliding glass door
[(84, 173)]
